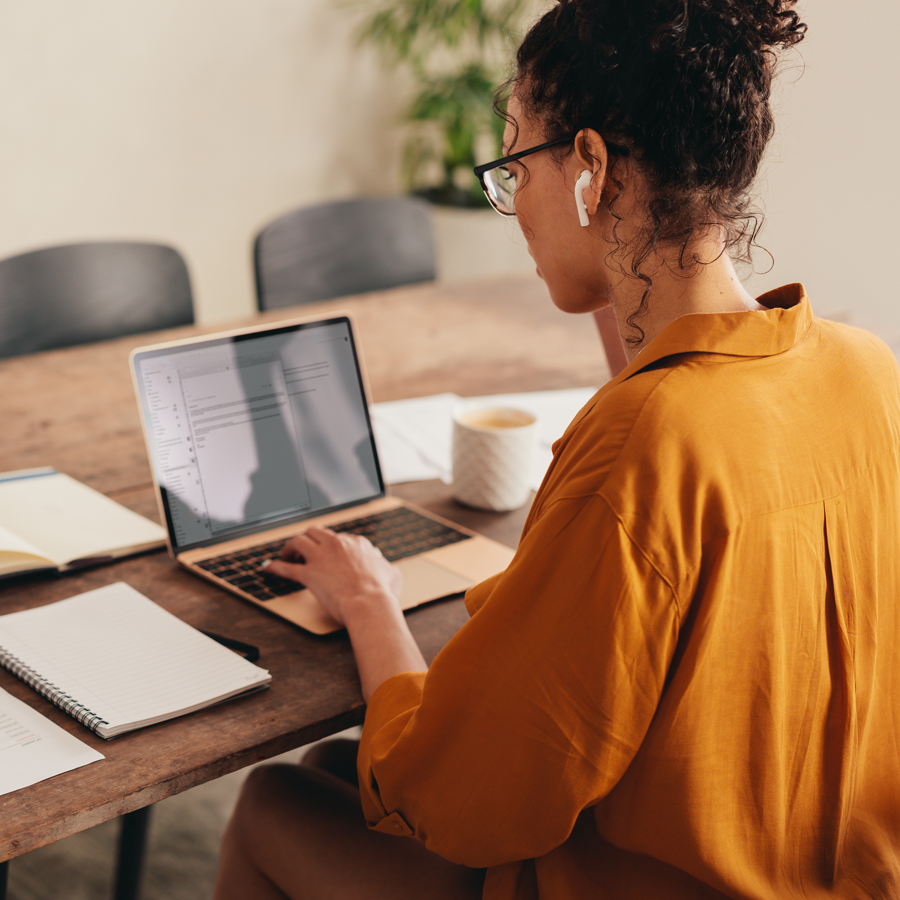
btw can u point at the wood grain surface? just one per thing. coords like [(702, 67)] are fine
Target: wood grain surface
[(74, 409)]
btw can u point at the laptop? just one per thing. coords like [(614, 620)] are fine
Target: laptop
[(255, 435)]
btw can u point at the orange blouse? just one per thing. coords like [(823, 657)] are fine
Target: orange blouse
[(687, 682)]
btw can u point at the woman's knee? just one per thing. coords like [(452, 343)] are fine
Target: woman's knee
[(337, 756), (264, 783), (264, 796), (293, 797), (299, 825)]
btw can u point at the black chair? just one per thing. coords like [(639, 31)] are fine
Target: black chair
[(341, 248), (78, 293)]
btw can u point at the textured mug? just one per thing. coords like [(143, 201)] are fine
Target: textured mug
[(493, 457)]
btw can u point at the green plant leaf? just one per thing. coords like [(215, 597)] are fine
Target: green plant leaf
[(451, 48)]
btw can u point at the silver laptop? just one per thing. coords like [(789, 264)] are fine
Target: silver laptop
[(255, 435)]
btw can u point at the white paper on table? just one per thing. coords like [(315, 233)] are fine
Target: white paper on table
[(415, 436), (32, 748), (400, 460), (425, 426)]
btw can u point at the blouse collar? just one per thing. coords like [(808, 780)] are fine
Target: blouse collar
[(767, 332)]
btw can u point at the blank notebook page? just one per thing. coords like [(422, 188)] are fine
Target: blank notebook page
[(66, 520), (126, 659)]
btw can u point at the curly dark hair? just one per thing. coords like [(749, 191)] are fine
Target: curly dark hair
[(685, 85)]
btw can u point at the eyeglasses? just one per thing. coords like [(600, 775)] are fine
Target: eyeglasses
[(499, 184)]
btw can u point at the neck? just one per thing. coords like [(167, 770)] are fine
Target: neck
[(714, 288)]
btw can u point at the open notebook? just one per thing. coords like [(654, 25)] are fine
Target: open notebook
[(256, 434), (49, 520), (116, 661)]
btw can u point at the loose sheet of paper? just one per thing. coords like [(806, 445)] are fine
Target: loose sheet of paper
[(415, 436), (32, 748)]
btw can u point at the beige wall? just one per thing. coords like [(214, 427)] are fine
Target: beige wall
[(195, 122), (831, 186), (187, 122)]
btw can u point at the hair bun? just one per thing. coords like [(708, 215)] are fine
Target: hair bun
[(754, 24)]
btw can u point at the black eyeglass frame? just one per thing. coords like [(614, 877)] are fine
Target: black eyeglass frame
[(497, 163)]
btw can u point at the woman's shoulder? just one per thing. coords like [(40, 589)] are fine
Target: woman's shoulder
[(593, 444), (845, 338), (693, 418)]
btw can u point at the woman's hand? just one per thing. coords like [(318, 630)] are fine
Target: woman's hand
[(360, 589), (344, 571)]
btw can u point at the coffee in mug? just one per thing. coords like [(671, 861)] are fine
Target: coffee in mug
[(493, 457)]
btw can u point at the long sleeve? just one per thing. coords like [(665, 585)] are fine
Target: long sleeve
[(536, 707)]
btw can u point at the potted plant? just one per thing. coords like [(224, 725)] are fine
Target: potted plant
[(454, 51)]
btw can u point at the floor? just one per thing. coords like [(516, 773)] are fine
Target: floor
[(181, 858), (181, 853)]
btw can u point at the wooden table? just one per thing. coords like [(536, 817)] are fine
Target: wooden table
[(74, 409)]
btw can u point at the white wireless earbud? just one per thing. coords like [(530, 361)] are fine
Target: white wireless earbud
[(583, 183)]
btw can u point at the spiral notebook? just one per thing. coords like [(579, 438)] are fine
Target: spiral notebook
[(115, 661)]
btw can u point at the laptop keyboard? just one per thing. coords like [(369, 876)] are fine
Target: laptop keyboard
[(398, 533)]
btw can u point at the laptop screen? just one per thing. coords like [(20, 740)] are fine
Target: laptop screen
[(255, 430)]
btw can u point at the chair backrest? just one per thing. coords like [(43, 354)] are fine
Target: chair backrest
[(347, 247), (79, 293)]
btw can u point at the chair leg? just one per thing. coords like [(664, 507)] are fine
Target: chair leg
[(4, 878), (132, 840)]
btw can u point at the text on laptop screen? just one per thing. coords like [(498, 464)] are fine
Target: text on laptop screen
[(251, 430)]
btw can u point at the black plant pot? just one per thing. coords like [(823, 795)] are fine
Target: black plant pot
[(450, 195)]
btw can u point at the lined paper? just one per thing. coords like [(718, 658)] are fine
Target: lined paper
[(124, 658)]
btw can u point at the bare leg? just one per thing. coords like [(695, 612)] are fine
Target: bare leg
[(298, 832), (337, 756)]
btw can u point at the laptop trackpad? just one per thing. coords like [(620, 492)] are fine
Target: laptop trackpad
[(423, 580)]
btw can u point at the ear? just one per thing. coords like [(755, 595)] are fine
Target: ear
[(591, 154)]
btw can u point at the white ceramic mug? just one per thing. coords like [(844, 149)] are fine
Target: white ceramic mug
[(493, 457)]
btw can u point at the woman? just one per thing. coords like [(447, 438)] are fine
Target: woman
[(684, 685)]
